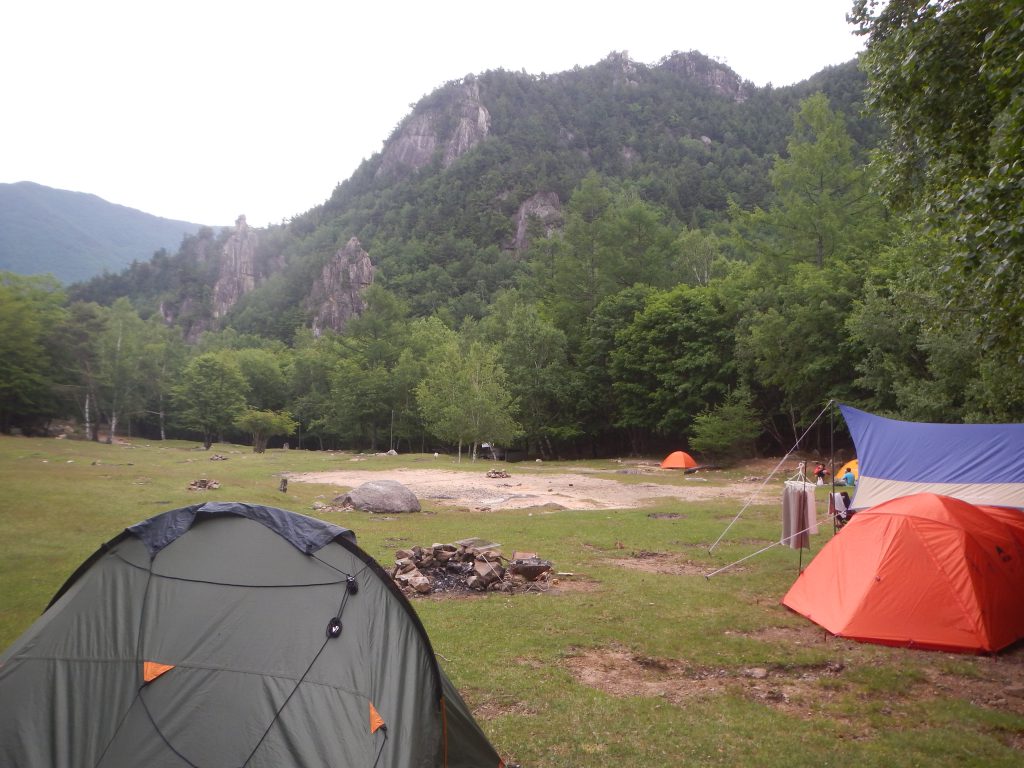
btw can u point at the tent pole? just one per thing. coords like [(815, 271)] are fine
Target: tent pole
[(832, 459)]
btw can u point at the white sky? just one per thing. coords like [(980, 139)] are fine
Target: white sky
[(202, 111)]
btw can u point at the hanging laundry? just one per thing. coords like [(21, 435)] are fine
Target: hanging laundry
[(799, 516)]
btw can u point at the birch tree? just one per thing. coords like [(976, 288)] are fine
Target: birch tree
[(464, 398), (121, 349)]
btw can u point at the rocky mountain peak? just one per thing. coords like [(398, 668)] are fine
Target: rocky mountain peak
[(473, 125), (336, 296), (453, 124), (237, 268), (626, 70), (712, 74)]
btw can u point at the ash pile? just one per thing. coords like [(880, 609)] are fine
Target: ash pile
[(466, 566)]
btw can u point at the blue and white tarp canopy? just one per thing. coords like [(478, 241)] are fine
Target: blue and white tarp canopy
[(979, 463)]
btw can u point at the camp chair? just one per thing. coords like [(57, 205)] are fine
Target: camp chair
[(839, 509)]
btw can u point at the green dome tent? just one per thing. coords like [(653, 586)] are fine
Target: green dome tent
[(230, 634)]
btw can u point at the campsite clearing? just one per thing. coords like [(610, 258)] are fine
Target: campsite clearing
[(638, 607)]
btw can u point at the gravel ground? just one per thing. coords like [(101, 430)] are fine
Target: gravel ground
[(585, 490)]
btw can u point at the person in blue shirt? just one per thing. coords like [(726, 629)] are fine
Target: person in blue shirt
[(848, 478)]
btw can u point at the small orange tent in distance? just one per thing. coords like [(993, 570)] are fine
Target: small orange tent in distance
[(920, 571), (678, 460)]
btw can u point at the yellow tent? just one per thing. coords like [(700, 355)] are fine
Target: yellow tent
[(850, 465)]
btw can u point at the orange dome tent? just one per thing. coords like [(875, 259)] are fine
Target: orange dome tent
[(678, 460), (921, 571)]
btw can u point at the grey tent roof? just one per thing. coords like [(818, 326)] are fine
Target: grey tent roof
[(306, 534), (236, 604)]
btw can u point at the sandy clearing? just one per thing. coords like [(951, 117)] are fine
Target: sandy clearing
[(567, 491)]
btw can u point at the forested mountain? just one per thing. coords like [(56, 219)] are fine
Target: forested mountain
[(75, 236), (617, 259), (445, 209)]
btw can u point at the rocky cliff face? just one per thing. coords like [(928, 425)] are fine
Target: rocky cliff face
[(336, 296), (237, 269), (474, 123), (626, 71), (545, 209), (711, 74), (454, 126), (193, 320)]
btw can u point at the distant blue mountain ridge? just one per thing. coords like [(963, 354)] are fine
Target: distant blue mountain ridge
[(75, 236)]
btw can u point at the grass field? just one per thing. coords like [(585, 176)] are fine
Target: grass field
[(636, 660)]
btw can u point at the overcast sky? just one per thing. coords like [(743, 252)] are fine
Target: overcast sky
[(202, 111)]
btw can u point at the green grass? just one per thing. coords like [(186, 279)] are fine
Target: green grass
[(825, 701)]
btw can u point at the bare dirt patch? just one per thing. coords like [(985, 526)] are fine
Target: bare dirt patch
[(493, 709), (523, 490), (622, 673), (805, 634), (490, 705), (995, 682), (661, 562)]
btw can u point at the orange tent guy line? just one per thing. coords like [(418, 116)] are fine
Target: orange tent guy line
[(151, 670)]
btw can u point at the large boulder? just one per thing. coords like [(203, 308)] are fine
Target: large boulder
[(384, 496)]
